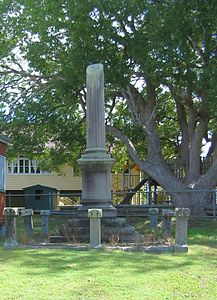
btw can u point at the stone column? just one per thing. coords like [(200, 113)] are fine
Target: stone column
[(95, 216), (153, 212), (44, 222), (10, 228), (166, 225), (28, 222), (96, 163), (95, 108), (181, 235)]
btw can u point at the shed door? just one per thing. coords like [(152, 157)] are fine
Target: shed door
[(42, 200)]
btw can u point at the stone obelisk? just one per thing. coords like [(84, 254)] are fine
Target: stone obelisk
[(96, 163)]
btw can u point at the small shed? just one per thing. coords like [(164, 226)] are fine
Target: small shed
[(39, 197)]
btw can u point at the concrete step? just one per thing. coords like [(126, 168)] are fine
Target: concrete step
[(127, 230), (80, 231), (114, 222), (68, 239), (112, 229)]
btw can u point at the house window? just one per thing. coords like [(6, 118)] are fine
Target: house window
[(25, 166)]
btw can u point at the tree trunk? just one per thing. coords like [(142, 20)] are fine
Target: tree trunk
[(195, 200), (183, 194)]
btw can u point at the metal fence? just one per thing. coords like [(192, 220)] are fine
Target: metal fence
[(139, 200)]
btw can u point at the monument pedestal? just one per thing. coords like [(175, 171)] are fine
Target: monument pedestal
[(95, 167)]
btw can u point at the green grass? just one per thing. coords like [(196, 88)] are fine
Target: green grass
[(66, 274)]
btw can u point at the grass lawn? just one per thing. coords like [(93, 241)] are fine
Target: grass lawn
[(66, 274)]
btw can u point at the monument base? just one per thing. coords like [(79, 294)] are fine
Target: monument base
[(113, 230), (10, 245), (95, 167), (181, 248)]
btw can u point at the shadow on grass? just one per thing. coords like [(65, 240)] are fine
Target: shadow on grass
[(56, 261), (51, 262), (46, 262)]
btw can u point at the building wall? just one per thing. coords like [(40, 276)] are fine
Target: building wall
[(65, 181), (2, 149)]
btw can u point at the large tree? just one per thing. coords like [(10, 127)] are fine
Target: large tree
[(160, 70)]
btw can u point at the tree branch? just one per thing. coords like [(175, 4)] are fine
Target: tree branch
[(195, 150), (183, 124), (25, 74), (130, 147), (195, 47)]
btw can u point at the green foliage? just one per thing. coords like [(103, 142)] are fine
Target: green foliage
[(120, 155), (50, 43)]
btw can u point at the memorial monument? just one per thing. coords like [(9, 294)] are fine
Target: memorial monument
[(96, 163), (95, 167)]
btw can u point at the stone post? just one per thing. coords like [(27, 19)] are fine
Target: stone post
[(153, 212), (166, 225), (181, 235), (2, 204), (10, 228), (44, 222), (2, 230), (95, 216), (28, 222)]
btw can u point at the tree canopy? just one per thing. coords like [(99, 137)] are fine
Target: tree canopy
[(160, 68)]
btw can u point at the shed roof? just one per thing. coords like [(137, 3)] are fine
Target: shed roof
[(4, 139), (39, 186)]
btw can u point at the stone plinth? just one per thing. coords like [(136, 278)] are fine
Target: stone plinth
[(182, 215), (95, 216), (153, 213), (166, 225), (44, 222), (96, 186), (10, 215), (28, 221)]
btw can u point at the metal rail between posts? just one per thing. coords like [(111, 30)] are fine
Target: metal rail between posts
[(143, 196)]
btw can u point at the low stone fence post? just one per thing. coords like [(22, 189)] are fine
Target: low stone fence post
[(95, 216), (2, 230), (28, 221), (153, 213), (181, 235), (44, 222), (10, 227), (166, 225)]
